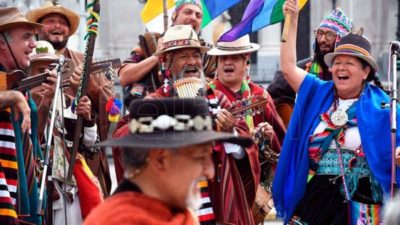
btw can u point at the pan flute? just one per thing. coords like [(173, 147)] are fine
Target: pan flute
[(189, 87)]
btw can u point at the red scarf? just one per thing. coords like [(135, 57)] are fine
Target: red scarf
[(133, 208)]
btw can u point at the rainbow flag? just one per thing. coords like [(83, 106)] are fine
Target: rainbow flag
[(152, 12), (258, 14)]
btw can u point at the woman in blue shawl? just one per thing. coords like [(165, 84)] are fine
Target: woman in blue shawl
[(337, 150)]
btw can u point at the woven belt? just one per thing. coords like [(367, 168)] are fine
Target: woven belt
[(330, 164)]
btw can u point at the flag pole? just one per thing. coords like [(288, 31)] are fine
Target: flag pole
[(165, 15), (286, 27)]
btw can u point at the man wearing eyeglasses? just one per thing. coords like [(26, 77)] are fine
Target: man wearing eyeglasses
[(327, 34)]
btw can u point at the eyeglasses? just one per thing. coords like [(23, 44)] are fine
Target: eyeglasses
[(329, 35)]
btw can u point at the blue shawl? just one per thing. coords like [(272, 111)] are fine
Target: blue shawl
[(314, 98)]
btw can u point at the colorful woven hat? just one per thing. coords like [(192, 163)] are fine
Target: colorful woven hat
[(180, 4), (49, 7), (354, 45), (178, 37), (338, 22)]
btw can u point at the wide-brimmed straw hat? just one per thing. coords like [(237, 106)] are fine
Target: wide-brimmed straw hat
[(171, 123), (178, 37), (49, 7), (241, 45), (353, 44), (11, 17)]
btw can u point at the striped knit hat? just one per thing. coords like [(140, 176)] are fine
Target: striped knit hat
[(338, 21), (180, 4)]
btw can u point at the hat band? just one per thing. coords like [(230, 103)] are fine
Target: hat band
[(181, 42), (167, 123), (226, 48), (352, 48)]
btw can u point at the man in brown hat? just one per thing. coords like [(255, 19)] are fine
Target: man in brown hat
[(167, 151), (140, 71), (233, 192), (16, 43), (59, 24)]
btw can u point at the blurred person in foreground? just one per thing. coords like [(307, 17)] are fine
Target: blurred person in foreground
[(167, 152)]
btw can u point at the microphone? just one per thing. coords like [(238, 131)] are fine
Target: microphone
[(61, 62), (395, 46)]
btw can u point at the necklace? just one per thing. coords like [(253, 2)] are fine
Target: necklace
[(339, 116)]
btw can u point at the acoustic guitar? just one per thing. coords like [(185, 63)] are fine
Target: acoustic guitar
[(248, 106), (19, 80)]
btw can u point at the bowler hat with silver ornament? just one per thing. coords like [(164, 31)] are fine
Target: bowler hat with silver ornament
[(171, 123)]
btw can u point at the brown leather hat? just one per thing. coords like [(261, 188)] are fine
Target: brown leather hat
[(11, 17), (48, 8), (178, 37)]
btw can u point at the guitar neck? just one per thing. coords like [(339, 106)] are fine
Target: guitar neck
[(249, 109), (32, 82)]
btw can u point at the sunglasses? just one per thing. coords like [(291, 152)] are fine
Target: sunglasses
[(329, 35)]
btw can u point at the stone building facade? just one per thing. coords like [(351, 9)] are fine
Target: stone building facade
[(120, 26)]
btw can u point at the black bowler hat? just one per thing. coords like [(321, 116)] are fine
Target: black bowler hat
[(171, 123), (355, 45)]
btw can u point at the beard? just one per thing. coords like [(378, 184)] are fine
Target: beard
[(188, 86), (193, 200), (319, 58), (57, 44), (182, 73)]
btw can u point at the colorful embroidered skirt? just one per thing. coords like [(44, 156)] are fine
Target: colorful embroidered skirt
[(323, 202)]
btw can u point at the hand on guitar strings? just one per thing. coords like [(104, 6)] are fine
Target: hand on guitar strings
[(225, 120), (84, 108), (49, 87), (75, 79)]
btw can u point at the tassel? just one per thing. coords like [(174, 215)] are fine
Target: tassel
[(113, 108)]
